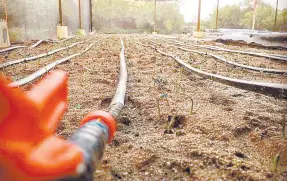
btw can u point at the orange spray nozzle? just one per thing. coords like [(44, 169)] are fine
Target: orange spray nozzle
[(28, 120)]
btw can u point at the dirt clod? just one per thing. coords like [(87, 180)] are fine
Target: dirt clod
[(240, 130), (255, 122), (240, 154), (220, 99), (125, 120), (106, 102), (116, 174), (195, 154), (179, 133), (115, 143), (179, 120), (145, 161)]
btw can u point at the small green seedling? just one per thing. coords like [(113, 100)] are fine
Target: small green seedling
[(275, 163), (78, 106), (192, 102), (170, 125), (161, 97), (177, 84)]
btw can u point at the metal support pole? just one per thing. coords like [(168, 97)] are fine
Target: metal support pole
[(154, 18), (91, 16), (254, 15), (276, 11), (198, 17), (60, 13), (80, 14), (216, 24)]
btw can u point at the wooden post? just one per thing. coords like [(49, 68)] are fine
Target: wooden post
[(254, 15), (91, 16), (275, 21), (5, 10), (5, 40), (216, 24), (60, 13), (80, 14), (198, 17), (154, 18)]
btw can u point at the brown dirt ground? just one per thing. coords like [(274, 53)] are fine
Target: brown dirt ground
[(232, 134)]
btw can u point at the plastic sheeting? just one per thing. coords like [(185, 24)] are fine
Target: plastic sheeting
[(38, 19), (273, 40)]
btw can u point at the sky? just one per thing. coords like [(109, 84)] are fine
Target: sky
[(189, 7)]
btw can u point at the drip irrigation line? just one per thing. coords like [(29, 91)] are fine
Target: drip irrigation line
[(98, 128), (50, 66), (11, 48), (118, 101), (274, 89), (14, 62), (51, 41), (37, 43), (257, 69), (270, 56), (34, 45), (60, 41)]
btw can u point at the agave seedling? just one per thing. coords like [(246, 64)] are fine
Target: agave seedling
[(161, 97), (275, 163)]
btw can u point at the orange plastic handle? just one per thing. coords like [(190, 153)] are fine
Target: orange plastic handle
[(28, 120)]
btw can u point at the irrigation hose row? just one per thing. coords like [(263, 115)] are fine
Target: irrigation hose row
[(257, 69), (60, 41), (11, 48), (50, 66), (276, 90), (51, 41), (14, 62), (98, 128), (118, 101), (216, 48), (37, 43), (93, 135), (34, 45)]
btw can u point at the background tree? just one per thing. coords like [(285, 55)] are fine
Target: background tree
[(136, 16), (241, 16)]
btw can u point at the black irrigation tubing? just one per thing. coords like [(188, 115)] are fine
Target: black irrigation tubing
[(34, 45), (257, 69), (37, 43), (118, 101), (51, 41), (211, 47), (274, 89), (60, 41), (50, 66), (270, 56), (14, 62), (11, 48)]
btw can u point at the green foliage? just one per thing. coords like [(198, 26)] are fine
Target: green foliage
[(241, 16), (132, 16), (14, 35), (169, 19), (80, 32), (264, 18)]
